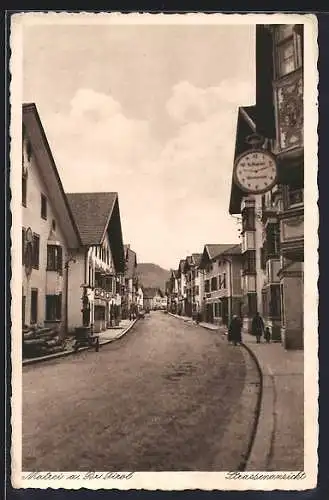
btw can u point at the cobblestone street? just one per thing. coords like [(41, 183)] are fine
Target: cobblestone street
[(167, 396)]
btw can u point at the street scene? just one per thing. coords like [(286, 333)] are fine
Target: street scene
[(162, 260), (164, 397)]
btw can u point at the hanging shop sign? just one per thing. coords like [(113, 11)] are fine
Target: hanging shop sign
[(255, 170)]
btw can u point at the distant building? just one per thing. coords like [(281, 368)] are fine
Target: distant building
[(131, 282), (153, 298), (140, 298), (181, 283), (96, 277), (172, 291), (49, 232), (221, 265), (194, 284)]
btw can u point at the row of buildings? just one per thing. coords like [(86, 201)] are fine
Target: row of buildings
[(76, 269), (207, 285), (265, 272)]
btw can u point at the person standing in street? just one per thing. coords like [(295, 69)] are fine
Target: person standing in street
[(234, 331), (257, 326)]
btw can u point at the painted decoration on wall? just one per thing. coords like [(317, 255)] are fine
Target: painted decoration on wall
[(290, 114)]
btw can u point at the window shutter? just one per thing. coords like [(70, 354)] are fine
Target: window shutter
[(60, 260), (36, 251)]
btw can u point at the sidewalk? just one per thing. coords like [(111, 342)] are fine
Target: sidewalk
[(188, 319), (279, 439), (105, 337)]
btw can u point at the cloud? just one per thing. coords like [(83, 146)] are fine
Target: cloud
[(190, 103), (177, 189)]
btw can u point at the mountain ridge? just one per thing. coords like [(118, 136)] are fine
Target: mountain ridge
[(152, 275)]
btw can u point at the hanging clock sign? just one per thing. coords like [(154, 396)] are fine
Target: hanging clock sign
[(255, 171)]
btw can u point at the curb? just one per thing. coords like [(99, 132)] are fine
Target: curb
[(63, 354), (249, 455)]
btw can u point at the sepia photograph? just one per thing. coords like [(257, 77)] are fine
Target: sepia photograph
[(164, 201)]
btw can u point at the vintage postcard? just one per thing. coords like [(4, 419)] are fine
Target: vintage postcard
[(164, 251)]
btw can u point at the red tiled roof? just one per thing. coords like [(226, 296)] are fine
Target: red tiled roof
[(91, 212)]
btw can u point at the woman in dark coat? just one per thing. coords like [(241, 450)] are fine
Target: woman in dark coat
[(234, 331), (257, 326)]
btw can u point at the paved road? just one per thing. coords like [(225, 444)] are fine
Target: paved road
[(161, 398)]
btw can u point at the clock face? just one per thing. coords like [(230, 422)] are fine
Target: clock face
[(256, 171)]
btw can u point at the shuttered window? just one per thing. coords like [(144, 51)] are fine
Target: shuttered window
[(53, 307)]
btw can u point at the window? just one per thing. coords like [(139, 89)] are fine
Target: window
[(34, 306), (43, 207), (289, 48), (53, 225), (272, 239), (24, 190), (54, 258), (224, 281), (295, 196), (53, 307), (206, 286), (35, 250), (286, 57), (214, 284), (249, 263)]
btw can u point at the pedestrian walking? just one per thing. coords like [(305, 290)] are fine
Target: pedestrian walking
[(267, 334), (234, 331), (257, 326)]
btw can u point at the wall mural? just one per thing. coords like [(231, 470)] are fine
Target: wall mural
[(290, 114)]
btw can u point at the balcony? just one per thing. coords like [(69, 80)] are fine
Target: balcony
[(247, 203), (248, 241), (272, 269), (292, 236), (248, 283)]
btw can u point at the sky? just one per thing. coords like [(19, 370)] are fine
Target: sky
[(148, 111)]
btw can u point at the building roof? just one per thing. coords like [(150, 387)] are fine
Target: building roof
[(98, 214), (196, 258), (181, 266), (35, 133), (91, 212), (214, 250), (217, 249), (235, 250), (131, 262), (246, 125)]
